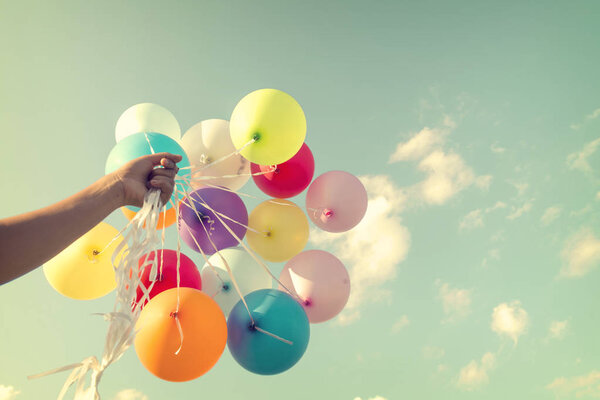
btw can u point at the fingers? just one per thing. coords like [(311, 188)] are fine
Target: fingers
[(165, 184), (168, 172), (170, 159)]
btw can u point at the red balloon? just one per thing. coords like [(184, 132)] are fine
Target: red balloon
[(189, 276), (289, 178)]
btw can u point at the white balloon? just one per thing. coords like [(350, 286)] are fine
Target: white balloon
[(249, 275), (207, 142), (147, 117)]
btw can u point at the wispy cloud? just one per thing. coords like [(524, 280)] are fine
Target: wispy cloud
[(593, 115), (418, 145), (558, 329), (374, 249), (581, 254), (510, 319), (550, 215), (517, 212), (475, 374), (583, 386), (8, 392), (474, 219), (433, 352), (496, 148), (492, 255), (456, 303), (400, 324), (580, 160), (446, 172), (130, 394)]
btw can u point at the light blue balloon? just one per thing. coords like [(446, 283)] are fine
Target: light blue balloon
[(276, 312), (136, 145)]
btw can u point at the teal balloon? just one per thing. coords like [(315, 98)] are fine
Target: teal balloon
[(273, 311), (143, 144)]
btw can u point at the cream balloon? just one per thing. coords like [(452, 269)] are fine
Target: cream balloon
[(217, 283), (79, 272), (147, 117), (207, 142)]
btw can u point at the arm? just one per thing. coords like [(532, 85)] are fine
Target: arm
[(29, 240)]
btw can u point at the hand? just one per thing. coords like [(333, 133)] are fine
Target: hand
[(143, 173)]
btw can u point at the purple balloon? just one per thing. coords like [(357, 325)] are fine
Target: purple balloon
[(193, 230)]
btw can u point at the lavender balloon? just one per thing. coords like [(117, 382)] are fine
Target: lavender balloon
[(208, 231)]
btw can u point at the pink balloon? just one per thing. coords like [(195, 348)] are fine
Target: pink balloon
[(189, 276), (320, 279), (336, 201)]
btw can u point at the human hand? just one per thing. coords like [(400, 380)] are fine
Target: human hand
[(143, 173)]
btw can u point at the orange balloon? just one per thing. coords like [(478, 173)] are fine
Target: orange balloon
[(204, 334), (169, 217)]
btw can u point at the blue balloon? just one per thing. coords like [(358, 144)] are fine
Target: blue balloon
[(136, 145), (278, 313)]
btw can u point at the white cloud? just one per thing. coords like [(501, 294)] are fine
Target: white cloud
[(447, 175), (472, 220), (433, 352), (475, 374), (495, 147), (580, 160), (521, 187), (130, 394), (493, 255), (510, 319), (373, 250), (483, 182), (8, 392), (516, 212), (418, 145), (456, 303), (595, 114), (583, 386), (550, 215), (402, 323), (581, 254), (371, 398), (558, 329)]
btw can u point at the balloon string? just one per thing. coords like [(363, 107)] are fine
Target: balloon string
[(236, 152), (273, 335), (149, 144), (229, 272), (196, 176), (181, 221), (178, 283), (97, 253), (232, 233)]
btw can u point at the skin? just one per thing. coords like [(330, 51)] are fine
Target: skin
[(29, 240)]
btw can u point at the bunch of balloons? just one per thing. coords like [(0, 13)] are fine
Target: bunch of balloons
[(191, 314)]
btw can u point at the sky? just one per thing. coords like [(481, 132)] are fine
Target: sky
[(474, 126)]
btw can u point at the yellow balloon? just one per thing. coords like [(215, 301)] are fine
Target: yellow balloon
[(285, 227), (275, 120), (78, 272)]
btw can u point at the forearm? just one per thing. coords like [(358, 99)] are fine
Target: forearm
[(29, 240)]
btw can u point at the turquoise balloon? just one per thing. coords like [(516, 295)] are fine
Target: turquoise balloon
[(278, 313), (136, 145)]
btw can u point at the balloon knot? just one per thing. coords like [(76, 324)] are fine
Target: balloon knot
[(256, 137), (173, 314), (327, 212), (307, 302), (226, 287), (252, 326), (95, 252)]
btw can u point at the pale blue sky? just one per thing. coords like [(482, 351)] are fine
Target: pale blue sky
[(494, 106)]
